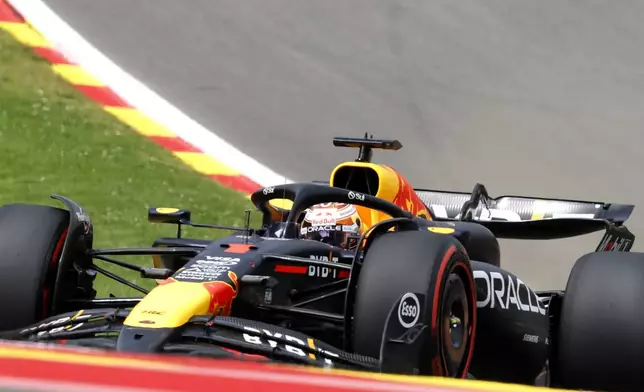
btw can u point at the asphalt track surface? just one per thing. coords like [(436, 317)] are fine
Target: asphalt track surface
[(541, 98)]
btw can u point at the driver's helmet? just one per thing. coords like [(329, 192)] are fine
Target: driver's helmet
[(337, 224)]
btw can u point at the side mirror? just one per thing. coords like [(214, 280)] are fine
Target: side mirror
[(168, 215)]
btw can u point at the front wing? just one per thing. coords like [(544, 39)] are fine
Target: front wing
[(218, 337)]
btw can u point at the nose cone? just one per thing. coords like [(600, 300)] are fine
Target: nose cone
[(174, 303)]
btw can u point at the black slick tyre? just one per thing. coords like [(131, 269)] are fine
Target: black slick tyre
[(599, 344), (437, 267), (31, 242)]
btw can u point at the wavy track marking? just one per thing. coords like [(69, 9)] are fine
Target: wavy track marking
[(221, 162), (73, 368)]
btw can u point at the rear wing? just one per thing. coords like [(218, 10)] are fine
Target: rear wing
[(519, 217), (446, 205)]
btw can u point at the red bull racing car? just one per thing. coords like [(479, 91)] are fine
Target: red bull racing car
[(363, 272)]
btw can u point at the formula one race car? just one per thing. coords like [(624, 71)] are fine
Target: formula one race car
[(363, 272)]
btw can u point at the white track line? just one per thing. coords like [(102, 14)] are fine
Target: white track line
[(77, 49)]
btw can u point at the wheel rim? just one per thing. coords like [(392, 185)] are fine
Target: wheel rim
[(456, 328)]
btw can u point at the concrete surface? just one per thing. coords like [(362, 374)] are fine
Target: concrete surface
[(541, 98)]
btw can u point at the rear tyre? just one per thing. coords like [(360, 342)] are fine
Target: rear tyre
[(599, 344), (31, 242), (434, 265)]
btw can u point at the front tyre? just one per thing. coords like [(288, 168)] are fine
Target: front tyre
[(435, 266), (31, 243)]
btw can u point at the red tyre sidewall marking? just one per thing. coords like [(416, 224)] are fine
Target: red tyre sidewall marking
[(52, 266), (472, 329), (439, 285)]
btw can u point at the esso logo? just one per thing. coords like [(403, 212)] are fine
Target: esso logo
[(409, 310)]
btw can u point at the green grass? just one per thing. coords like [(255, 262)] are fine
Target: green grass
[(54, 140)]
